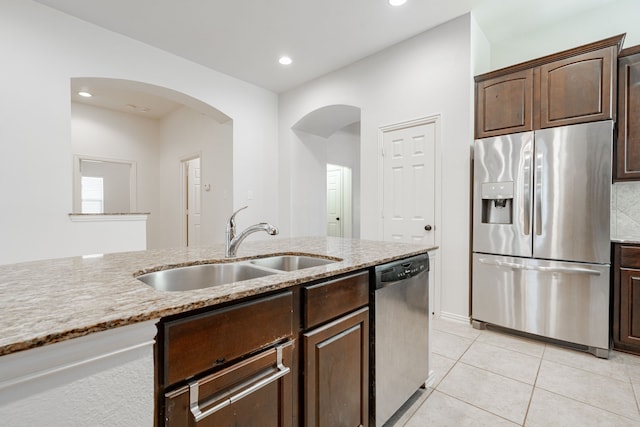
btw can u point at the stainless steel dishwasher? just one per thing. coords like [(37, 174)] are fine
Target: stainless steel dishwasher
[(400, 334)]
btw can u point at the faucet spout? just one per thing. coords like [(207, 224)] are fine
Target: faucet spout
[(233, 241)]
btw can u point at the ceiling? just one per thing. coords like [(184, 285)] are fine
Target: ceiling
[(244, 38)]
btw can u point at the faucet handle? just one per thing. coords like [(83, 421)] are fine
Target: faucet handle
[(232, 219)]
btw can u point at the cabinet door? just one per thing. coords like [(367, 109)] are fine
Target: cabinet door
[(630, 307), (628, 142), (577, 89), (255, 392), (336, 372), (504, 104)]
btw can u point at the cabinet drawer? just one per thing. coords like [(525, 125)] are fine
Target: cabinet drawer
[(254, 392), (630, 256), (328, 300), (197, 343)]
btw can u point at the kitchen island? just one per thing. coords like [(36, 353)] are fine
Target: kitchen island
[(76, 302)]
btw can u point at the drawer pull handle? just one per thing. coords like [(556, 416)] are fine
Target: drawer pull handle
[(194, 388)]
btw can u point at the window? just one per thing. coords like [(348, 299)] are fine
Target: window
[(92, 194)]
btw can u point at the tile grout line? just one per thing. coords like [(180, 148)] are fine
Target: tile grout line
[(633, 389), (598, 371), (486, 370), (588, 404), (474, 406), (533, 389)]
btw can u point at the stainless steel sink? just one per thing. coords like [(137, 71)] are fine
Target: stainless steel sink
[(291, 262), (202, 276), (208, 275)]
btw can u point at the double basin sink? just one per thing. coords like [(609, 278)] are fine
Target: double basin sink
[(208, 275)]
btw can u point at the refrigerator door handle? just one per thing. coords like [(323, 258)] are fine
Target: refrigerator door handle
[(538, 193), (526, 191), (564, 270)]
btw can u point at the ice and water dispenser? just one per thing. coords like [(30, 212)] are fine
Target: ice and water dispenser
[(497, 202)]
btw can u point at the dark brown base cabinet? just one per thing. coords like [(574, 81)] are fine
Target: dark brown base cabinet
[(626, 294), (335, 338), (241, 395), (297, 357), (336, 372), (228, 366)]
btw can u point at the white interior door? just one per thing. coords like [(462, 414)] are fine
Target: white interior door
[(334, 201), (409, 184), (193, 202)]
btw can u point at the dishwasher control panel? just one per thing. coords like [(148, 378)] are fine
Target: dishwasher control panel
[(402, 270)]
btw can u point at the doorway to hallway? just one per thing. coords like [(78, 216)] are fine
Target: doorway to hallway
[(191, 190), (339, 201)]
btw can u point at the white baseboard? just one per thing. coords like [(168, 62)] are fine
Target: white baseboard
[(454, 317)]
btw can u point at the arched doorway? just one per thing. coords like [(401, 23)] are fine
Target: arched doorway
[(157, 129), (329, 135)]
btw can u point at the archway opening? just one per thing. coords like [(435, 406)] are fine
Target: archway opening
[(329, 135), (155, 129)]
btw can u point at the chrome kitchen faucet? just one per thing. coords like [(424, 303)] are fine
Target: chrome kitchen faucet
[(233, 241)]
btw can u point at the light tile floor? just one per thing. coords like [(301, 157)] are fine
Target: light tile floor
[(489, 378)]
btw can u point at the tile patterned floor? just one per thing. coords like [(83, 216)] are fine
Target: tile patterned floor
[(488, 378)]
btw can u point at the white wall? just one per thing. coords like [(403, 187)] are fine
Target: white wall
[(612, 19), (42, 50), (426, 75), (102, 133), (185, 133)]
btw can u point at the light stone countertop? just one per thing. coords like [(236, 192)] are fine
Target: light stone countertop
[(55, 300)]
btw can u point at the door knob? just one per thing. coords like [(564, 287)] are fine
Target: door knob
[(338, 219), (427, 227)]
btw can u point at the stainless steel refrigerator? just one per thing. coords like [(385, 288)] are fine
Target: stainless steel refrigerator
[(541, 242)]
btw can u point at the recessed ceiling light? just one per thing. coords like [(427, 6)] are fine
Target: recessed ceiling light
[(285, 60), (397, 2), (85, 94)]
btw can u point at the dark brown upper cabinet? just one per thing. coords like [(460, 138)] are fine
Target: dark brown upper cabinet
[(569, 87), (628, 140), (504, 104)]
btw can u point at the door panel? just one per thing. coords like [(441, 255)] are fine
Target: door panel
[(504, 104), (409, 184), (502, 194), (193, 202), (630, 301), (573, 192), (334, 203), (336, 379), (578, 89)]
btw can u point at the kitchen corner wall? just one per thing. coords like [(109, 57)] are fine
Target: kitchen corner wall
[(625, 210)]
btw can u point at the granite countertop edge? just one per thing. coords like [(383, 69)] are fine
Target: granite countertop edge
[(626, 240), (57, 300)]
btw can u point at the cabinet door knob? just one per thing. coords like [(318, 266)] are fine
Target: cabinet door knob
[(427, 227), (338, 219)]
